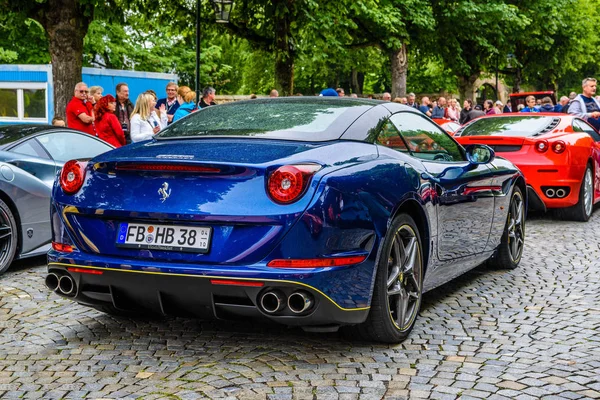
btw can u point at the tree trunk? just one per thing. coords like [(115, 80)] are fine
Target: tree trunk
[(354, 82), (284, 48), (66, 26), (466, 86), (518, 79), (399, 62)]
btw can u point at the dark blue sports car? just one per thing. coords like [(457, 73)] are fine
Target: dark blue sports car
[(315, 212)]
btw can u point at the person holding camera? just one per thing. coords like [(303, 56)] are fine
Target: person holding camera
[(144, 122), (124, 109)]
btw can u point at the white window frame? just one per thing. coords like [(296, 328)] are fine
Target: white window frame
[(20, 86)]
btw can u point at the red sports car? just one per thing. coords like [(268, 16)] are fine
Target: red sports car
[(559, 154), (447, 124)]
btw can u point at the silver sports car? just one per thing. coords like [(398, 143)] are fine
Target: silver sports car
[(30, 157)]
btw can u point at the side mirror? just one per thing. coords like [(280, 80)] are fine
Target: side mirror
[(479, 154)]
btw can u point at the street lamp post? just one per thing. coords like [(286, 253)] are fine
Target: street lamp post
[(222, 12)]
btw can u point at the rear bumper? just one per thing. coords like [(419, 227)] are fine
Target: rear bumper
[(566, 178), (212, 294)]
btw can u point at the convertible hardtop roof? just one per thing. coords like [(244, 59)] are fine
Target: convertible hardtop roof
[(13, 133)]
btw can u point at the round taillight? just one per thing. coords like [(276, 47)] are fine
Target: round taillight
[(287, 184), (71, 176), (541, 146), (559, 146)]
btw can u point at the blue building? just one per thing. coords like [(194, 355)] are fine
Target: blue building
[(27, 95)]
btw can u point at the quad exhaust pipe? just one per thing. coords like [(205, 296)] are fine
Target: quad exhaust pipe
[(560, 193), (272, 301), (52, 281), (63, 284), (300, 302), (550, 192)]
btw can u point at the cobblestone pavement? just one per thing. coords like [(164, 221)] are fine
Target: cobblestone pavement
[(529, 333)]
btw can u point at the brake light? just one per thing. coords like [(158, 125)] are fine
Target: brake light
[(72, 175), (85, 271), (315, 262), (162, 167), (559, 146), (288, 183), (541, 146)]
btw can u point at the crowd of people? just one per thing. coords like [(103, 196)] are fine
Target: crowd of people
[(118, 121)]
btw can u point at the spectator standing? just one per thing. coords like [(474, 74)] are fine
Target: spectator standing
[(354, 95), (412, 101), (498, 107), (585, 106), (475, 113), (424, 107), (340, 92), (188, 105), (488, 107), (547, 105), (439, 111), (464, 113), (159, 116), (507, 107), (124, 109), (453, 110), (530, 107), (208, 97), (58, 121), (329, 92), (107, 125), (386, 97), (79, 111), (274, 93), (95, 94), (564, 100), (143, 125)]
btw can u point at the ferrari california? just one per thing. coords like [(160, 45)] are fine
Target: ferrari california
[(30, 157), (559, 154), (314, 212)]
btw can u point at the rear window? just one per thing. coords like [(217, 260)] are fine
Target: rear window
[(306, 120), (518, 126)]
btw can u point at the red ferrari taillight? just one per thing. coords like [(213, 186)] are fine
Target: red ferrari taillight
[(316, 262), (541, 146), (72, 176), (559, 146), (288, 183)]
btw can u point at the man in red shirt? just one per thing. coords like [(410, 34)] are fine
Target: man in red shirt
[(79, 110)]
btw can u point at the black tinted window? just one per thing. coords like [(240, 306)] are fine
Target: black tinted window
[(308, 120), (425, 139), (582, 126), (518, 126)]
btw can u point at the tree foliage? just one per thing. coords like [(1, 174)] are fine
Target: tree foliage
[(307, 45)]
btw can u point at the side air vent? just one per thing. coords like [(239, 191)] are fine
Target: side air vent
[(553, 124)]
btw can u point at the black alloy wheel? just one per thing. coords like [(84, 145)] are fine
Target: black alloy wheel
[(509, 252), (8, 237), (398, 285)]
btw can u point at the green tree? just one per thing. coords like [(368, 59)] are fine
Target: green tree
[(471, 35), (65, 23)]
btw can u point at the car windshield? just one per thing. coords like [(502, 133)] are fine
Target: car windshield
[(518, 126), (315, 119)]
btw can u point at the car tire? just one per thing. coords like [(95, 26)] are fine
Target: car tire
[(8, 237), (509, 252), (582, 211), (398, 288)]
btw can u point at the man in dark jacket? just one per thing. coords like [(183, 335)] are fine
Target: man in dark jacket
[(208, 97), (464, 113), (475, 113), (124, 109)]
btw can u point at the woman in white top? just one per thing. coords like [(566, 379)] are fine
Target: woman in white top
[(145, 123)]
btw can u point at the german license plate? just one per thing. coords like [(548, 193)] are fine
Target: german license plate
[(195, 239)]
